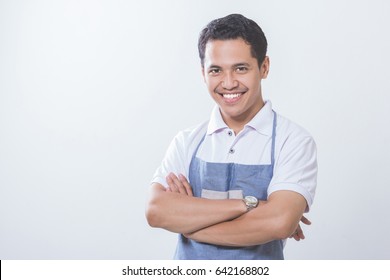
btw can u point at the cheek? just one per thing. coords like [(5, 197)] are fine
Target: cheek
[(252, 83), (211, 84)]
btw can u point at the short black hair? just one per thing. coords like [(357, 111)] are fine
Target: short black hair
[(234, 26)]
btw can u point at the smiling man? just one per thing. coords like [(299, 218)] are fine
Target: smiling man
[(237, 186)]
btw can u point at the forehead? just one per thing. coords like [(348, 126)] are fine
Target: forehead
[(228, 52)]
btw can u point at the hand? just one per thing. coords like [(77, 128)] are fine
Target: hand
[(178, 184), (298, 233)]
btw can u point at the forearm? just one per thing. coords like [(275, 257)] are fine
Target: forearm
[(270, 221), (243, 231), (183, 214)]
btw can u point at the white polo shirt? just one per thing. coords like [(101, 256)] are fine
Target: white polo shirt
[(295, 166)]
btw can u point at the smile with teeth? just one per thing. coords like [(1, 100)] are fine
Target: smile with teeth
[(231, 95)]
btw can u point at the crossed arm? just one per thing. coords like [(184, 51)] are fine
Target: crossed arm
[(224, 222)]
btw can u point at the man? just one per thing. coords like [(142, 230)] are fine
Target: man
[(251, 172)]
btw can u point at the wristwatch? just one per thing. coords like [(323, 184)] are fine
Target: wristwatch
[(250, 202)]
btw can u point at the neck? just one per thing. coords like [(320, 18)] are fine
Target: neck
[(237, 123)]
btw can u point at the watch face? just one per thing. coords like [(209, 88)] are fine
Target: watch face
[(251, 201)]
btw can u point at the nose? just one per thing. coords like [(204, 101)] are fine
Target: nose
[(229, 82)]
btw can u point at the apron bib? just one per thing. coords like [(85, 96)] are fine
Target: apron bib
[(223, 181)]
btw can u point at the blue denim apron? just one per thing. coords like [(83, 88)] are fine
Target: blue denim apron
[(230, 180)]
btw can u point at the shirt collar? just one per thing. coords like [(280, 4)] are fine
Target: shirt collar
[(261, 122), (216, 122)]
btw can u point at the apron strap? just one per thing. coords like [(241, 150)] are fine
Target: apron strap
[(197, 148)]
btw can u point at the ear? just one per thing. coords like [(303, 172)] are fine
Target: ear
[(264, 69)]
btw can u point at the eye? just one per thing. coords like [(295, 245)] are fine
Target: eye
[(242, 69), (214, 71)]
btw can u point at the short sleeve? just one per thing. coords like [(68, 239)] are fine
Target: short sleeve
[(175, 160), (296, 168)]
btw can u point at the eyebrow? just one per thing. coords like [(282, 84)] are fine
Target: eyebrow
[(241, 64), (233, 66)]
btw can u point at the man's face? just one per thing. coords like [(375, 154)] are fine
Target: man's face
[(233, 79)]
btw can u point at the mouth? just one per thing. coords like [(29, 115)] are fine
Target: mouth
[(231, 97)]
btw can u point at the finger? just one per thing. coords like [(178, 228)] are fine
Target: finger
[(295, 236), (186, 185), (305, 220), (171, 184), (179, 185), (296, 233), (299, 233)]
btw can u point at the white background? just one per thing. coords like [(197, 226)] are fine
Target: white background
[(92, 92)]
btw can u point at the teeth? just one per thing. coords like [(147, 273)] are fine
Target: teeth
[(231, 95)]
